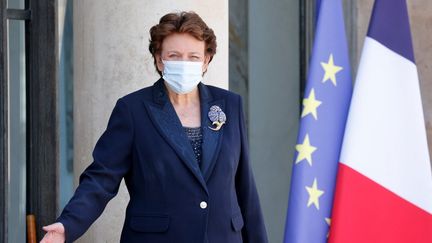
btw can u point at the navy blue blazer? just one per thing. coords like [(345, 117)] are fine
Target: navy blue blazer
[(172, 199)]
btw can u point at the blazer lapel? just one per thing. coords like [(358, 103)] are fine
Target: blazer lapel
[(211, 139), (167, 122)]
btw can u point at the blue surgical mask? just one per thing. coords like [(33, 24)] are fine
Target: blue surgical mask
[(182, 76)]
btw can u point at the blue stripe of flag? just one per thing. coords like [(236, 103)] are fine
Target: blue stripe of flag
[(392, 13)]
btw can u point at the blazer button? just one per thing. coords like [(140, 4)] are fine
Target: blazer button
[(203, 205)]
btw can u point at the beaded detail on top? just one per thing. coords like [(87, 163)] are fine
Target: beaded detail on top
[(196, 138)]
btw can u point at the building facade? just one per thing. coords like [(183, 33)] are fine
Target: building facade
[(65, 63)]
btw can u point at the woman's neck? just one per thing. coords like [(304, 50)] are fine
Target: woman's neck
[(183, 99), (187, 107)]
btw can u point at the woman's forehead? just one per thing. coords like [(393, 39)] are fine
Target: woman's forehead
[(182, 43)]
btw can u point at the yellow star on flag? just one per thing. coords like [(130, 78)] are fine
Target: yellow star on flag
[(314, 194), (330, 70), (328, 221), (310, 105), (305, 151)]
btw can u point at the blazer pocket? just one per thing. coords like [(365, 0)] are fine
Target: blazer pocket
[(237, 222), (150, 223)]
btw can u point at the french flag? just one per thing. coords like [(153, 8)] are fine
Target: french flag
[(384, 183)]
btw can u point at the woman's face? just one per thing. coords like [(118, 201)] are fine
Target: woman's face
[(182, 47)]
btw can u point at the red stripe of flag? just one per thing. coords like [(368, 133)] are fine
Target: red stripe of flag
[(367, 212)]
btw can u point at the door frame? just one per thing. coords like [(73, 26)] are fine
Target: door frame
[(41, 42), (3, 125)]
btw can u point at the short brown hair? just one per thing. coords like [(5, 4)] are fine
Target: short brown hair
[(182, 22)]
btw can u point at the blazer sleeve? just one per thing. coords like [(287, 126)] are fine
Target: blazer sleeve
[(100, 181), (254, 229)]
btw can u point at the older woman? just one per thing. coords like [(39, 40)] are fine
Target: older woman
[(181, 148)]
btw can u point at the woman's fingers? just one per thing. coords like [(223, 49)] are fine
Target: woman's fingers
[(55, 233), (46, 238), (56, 227), (53, 237)]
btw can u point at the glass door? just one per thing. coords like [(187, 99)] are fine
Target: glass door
[(14, 123), (28, 116), (17, 128)]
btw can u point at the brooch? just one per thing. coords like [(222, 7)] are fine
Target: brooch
[(217, 116)]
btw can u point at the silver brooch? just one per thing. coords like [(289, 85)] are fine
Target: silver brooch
[(217, 116)]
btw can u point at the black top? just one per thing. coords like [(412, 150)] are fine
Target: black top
[(195, 137)]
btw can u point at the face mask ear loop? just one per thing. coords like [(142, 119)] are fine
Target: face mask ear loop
[(163, 68)]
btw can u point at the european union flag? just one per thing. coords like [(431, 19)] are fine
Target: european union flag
[(325, 108)]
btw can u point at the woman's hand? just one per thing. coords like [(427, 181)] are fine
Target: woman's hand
[(55, 233)]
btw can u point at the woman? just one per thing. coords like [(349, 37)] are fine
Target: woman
[(181, 148)]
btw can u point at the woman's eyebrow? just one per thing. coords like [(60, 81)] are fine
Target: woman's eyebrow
[(195, 52), (170, 52), (189, 53)]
